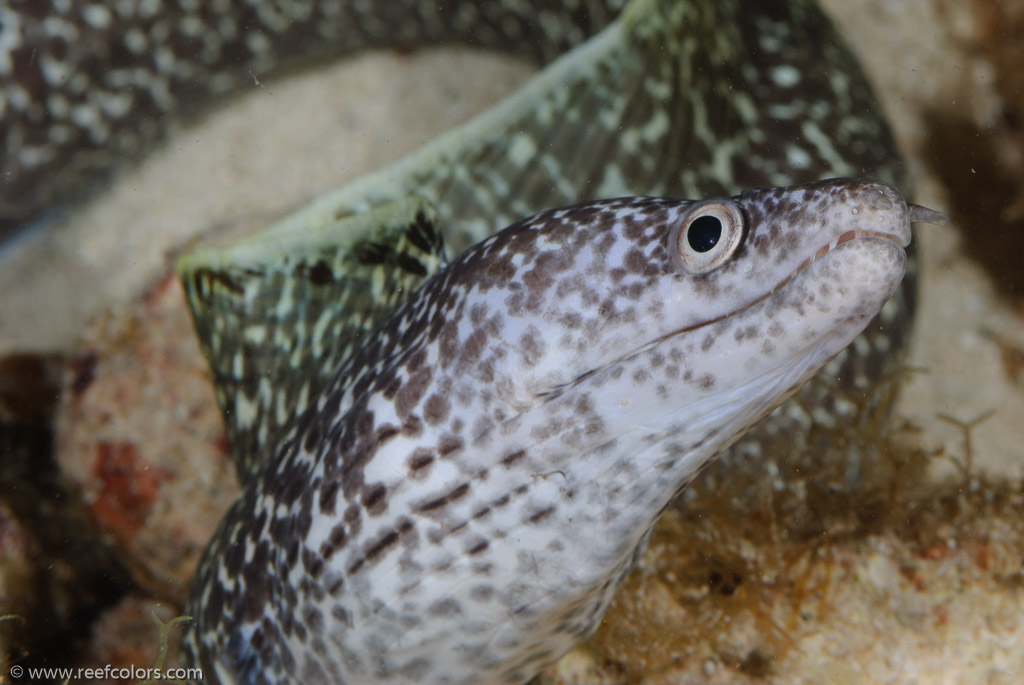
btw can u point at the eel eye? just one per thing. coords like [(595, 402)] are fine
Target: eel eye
[(706, 236)]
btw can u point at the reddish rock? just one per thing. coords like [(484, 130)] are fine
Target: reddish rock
[(140, 435)]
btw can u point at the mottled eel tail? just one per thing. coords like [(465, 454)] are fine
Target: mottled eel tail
[(86, 85)]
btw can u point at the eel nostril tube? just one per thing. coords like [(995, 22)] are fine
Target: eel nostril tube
[(927, 216)]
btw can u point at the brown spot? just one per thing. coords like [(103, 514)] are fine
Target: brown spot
[(416, 361), (542, 433), (388, 385), (745, 332), (375, 500), (386, 432), (445, 607), (412, 426), (456, 494), (341, 615), (474, 346), (449, 344), (364, 423), (513, 458), (234, 556), (353, 518), (314, 437), (386, 541), (411, 392), (477, 314), (312, 563), (318, 274), (638, 263), (214, 609), (482, 593), (420, 460), (537, 281), (482, 429), (542, 514), (313, 619), (448, 444), (531, 345), (498, 272), (338, 536), (304, 520), (335, 584), (256, 584), (570, 320), (485, 370), (436, 409)]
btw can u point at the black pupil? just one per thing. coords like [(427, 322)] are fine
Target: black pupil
[(704, 233)]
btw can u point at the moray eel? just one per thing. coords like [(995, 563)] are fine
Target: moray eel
[(680, 98), (425, 519), (463, 499)]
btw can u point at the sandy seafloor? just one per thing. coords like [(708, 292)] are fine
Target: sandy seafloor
[(282, 143)]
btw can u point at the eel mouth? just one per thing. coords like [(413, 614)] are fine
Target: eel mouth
[(841, 239), (847, 237)]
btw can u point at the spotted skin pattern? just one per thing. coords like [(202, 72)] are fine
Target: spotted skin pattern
[(85, 84), (282, 315), (684, 98), (461, 503), (671, 103), (678, 98)]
